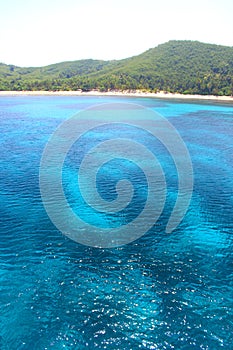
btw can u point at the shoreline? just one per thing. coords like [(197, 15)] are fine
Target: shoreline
[(161, 95)]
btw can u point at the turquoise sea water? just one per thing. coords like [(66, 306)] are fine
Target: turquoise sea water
[(160, 292)]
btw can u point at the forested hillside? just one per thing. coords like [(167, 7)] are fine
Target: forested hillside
[(176, 66)]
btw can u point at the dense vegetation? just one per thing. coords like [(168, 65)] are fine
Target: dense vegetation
[(176, 66)]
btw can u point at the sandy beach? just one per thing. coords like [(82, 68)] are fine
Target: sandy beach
[(162, 95)]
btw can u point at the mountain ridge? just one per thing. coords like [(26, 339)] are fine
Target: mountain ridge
[(188, 67)]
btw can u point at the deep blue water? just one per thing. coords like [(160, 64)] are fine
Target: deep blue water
[(160, 292)]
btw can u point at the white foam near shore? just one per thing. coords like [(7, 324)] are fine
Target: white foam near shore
[(160, 94)]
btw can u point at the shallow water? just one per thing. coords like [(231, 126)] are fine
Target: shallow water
[(160, 292)]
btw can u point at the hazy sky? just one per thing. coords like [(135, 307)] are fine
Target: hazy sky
[(41, 32)]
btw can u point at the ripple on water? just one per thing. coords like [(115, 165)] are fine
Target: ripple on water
[(160, 292)]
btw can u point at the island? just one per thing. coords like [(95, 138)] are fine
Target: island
[(173, 69)]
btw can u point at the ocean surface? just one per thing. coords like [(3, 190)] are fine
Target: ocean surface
[(161, 291)]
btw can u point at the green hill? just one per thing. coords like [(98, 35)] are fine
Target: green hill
[(176, 66)]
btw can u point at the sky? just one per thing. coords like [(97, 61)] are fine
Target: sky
[(42, 32)]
